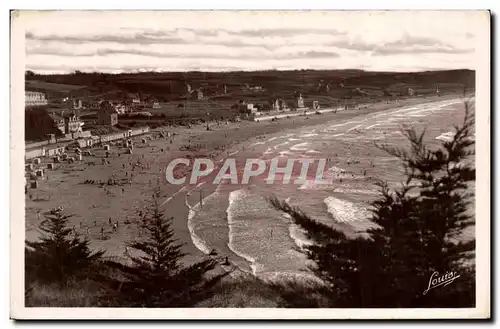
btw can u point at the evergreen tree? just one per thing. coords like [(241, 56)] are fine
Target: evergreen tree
[(156, 276), (59, 254), (420, 224)]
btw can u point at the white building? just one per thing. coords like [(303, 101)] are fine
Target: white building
[(34, 98), (300, 101)]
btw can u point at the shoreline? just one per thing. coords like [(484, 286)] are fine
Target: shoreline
[(218, 143), (346, 115)]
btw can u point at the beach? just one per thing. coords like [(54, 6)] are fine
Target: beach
[(236, 220)]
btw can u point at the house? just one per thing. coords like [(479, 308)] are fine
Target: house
[(136, 99), (58, 122), (325, 88), (300, 101), (275, 105), (152, 103), (33, 98), (251, 108), (73, 123), (279, 105), (252, 88), (107, 115), (199, 94)]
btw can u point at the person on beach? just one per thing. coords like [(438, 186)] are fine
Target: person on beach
[(109, 220), (95, 222)]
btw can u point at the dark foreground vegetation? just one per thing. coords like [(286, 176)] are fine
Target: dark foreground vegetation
[(419, 234)]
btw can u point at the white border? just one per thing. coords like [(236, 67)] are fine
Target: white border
[(482, 226)]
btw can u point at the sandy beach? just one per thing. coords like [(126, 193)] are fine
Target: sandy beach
[(95, 207)]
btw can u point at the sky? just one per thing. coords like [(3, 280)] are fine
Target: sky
[(131, 41)]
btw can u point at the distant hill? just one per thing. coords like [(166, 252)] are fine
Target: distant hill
[(341, 83)]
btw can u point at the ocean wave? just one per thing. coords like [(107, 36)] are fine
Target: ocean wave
[(308, 135), (298, 235), (446, 137), (281, 144), (344, 211), (234, 196), (299, 147), (198, 242), (194, 224)]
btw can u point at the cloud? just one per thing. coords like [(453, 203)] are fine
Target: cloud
[(287, 32), (318, 54), (406, 45), (267, 39), (248, 41), (166, 54), (136, 38), (420, 50)]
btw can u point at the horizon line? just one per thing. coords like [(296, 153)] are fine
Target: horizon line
[(243, 71)]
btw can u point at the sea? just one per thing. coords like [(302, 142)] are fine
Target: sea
[(237, 221)]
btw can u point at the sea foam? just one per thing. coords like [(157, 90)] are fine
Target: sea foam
[(344, 211)]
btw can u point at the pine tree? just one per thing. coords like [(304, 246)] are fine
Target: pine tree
[(60, 254), (420, 224), (156, 276)]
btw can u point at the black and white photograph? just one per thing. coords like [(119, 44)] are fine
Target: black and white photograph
[(184, 164)]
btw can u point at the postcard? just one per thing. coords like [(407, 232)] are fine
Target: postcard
[(250, 164)]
